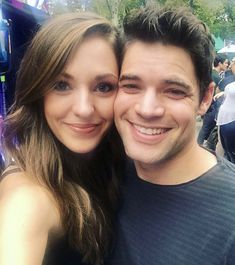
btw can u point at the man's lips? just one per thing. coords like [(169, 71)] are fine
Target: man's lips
[(149, 130), (149, 134)]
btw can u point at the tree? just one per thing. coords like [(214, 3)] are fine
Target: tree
[(218, 15), (115, 10)]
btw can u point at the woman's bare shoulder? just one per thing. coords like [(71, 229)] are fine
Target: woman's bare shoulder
[(28, 215), (19, 193)]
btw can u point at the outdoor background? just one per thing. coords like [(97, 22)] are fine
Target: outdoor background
[(219, 15)]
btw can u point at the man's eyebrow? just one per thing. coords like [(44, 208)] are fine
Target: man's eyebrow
[(177, 82), (171, 81), (129, 77)]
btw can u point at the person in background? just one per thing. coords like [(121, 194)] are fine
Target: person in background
[(59, 191), (178, 203), (229, 77), (226, 115), (220, 67), (226, 122), (228, 71), (208, 131)]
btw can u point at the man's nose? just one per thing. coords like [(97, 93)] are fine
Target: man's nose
[(150, 105)]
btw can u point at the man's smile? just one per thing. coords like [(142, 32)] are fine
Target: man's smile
[(149, 131)]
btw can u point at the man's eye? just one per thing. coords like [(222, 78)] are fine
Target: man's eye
[(129, 86), (176, 93), (105, 87), (61, 86)]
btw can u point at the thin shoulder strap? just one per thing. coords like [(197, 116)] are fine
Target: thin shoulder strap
[(10, 170)]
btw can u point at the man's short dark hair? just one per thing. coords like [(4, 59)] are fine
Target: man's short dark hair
[(219, 59), (175, 26)]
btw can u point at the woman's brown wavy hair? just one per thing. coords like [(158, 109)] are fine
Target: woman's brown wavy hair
[(85, 187)]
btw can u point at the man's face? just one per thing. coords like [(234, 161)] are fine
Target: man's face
[(224, 65), (157, 102)]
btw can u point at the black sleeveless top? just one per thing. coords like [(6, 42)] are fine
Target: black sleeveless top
[(8, 172), (60, 253)]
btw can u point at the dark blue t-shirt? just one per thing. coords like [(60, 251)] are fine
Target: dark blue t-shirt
[(186, 224)]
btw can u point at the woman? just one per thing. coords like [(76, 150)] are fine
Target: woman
[(61, 180)]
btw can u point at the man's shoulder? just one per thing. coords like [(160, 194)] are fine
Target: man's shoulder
[(222, 176), (224, 166), (214, 72), (215, 76)]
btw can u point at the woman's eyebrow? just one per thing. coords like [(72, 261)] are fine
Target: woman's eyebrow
[(105, 76)]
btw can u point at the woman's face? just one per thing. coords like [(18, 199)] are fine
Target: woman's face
[(79, 109)]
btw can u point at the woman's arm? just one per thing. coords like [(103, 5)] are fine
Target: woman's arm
[(27, 214)]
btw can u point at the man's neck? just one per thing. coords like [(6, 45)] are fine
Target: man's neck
[(217, 69), (180, 169)]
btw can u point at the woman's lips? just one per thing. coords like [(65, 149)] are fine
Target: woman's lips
[(82, 128)]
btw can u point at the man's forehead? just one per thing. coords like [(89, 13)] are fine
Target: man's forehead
[(159, 63), (141, 55), (141, 51)]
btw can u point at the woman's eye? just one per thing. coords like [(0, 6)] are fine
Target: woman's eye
[(61, 86), (105, 87)]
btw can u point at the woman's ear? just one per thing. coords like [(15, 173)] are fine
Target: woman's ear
[(207, 99)]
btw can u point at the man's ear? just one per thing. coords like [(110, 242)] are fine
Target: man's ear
[(207, 99)]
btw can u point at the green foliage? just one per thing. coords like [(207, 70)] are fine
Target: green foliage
[(116, 9), (218, 15)]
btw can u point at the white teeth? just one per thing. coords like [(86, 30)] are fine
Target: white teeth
[(149, 131)]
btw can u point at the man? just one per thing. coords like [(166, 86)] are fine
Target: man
[(178, 199), (229, 76), (208, 131), (220, 67)]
